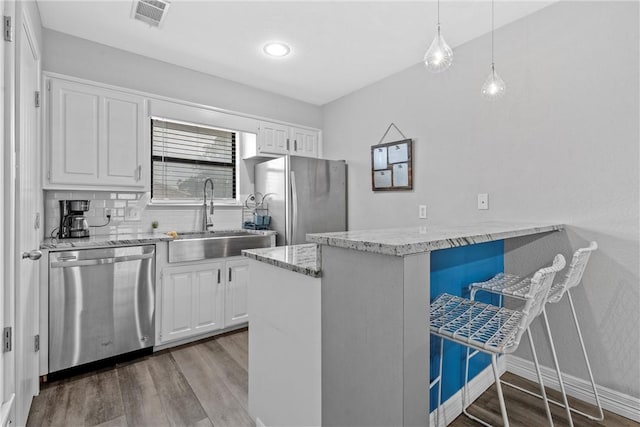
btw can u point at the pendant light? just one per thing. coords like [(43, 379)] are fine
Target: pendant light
[(493, 87), (439, 56)]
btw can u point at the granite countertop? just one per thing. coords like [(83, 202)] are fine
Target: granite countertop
[(304, 259), (116, 239), (407, 241)]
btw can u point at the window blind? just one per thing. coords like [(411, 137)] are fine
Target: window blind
[(183, 156)]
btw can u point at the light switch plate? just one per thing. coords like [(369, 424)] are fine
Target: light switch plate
[(483, 201)]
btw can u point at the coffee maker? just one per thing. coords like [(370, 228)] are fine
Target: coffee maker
[(72, 220)]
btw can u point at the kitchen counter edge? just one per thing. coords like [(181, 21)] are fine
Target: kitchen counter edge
[(303, 259), (415, 240), (106, 240)]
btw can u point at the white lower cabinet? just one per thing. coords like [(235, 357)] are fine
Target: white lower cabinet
[(199, 298), (236, 307)]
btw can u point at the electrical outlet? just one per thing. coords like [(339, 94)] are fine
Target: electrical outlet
[(131, 214), (107, 212), (483, 201), (422, 211)]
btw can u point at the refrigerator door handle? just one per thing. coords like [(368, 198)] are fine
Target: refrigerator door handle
[(294, 208)]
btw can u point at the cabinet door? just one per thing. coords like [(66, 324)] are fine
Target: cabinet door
[(75, 133), (97, 137), (273, 138), (122, 139), (305, 142), (237, 293), (192, 300)]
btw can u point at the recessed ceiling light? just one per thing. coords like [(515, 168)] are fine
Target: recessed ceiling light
[(276, 49)]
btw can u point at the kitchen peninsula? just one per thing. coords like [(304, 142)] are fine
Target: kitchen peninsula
[(374, 296)]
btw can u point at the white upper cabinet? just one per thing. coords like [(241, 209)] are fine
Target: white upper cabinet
[(273, 138), (95, 137), (278, 139), (305, 142)]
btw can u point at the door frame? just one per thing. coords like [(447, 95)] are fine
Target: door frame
[(25, 37)]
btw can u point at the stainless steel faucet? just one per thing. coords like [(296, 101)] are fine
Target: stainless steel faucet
[(205, 217)]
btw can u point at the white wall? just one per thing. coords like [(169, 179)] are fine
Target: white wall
[(563, 145), (78, 57)]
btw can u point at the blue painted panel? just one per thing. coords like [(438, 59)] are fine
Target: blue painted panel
[(452, 270)]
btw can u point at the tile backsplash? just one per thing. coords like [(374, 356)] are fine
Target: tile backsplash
[(121, 204)]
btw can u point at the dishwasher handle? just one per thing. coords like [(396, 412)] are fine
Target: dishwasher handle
[(99, 261)]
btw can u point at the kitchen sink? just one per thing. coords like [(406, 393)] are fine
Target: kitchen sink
[(214, 244)]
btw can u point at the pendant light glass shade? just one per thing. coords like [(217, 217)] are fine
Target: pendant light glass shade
[(493, 87), (439, 56)]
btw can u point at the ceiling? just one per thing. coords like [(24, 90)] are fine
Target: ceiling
[(337, 46)]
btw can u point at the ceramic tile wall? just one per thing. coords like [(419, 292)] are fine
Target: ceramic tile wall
[(179, 218)]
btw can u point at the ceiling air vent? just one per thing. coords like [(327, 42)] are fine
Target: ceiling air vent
[(152, 12)]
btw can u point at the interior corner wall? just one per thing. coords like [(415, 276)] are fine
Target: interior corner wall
[(73, 56), (561, 146)]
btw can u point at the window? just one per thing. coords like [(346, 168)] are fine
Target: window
[(183, 156)]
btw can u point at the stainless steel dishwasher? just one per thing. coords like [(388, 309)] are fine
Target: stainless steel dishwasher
[(101, 303)]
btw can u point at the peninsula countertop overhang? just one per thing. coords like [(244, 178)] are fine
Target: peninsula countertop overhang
[(431, 237)]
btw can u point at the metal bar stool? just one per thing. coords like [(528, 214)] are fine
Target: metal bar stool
[(512, 286), (491, 329)]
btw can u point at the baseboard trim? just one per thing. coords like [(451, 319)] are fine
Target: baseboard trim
[(452, 408), (614, 401)]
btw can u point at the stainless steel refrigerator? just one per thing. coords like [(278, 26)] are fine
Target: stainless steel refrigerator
[(304, 195)]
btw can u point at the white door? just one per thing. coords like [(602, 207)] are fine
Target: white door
[(236, 301), (28, 199), (7, 359)]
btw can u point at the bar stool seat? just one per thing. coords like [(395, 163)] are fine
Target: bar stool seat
[(479, 325)]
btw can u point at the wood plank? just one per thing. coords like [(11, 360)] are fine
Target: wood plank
[(116, 422), (103, 398), (234, 376), (221, 406), (64, 404), (142, 405), (235, 346), (180, 404)]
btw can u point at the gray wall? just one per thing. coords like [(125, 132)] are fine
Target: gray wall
[(78, 57), (561, 146)]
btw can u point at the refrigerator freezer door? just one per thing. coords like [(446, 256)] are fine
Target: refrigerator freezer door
[(318, 197)]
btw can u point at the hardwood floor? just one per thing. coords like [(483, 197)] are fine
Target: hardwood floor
[(204, 384), (528, 411)]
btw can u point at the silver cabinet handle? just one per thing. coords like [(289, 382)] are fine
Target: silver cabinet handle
[(33, 255), (218, 276), (229, 274), (139, 173), (287, 144), (295, 145)]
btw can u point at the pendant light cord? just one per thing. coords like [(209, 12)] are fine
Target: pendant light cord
[(492, 29)]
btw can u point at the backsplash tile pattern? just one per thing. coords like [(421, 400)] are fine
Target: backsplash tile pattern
[(179, 218)]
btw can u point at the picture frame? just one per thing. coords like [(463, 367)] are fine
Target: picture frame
[(392, 166)]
